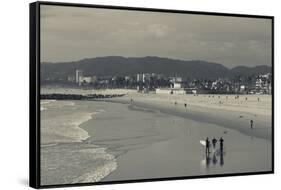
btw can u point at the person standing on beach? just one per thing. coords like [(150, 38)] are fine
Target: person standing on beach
[(221, 144), (252, 123), (207, 146), (214, 141)]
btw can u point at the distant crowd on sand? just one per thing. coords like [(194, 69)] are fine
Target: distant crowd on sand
[(219, 97), (236, 97), (220, 102)]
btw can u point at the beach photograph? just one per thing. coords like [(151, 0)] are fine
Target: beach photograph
[(146, 95)]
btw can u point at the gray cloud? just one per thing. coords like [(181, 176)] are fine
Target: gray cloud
[(73, 33)]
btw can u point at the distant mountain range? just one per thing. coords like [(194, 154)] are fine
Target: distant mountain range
[(122, 66)]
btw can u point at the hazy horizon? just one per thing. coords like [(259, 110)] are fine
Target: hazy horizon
[(75, 33)]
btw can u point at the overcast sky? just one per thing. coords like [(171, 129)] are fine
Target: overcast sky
[(74, 33)]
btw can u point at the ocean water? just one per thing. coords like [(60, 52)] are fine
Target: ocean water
[(66, 157)]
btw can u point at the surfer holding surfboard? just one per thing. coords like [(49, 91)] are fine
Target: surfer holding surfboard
[(221, 144), (214, 152), (207, 143), (207, 146), (214, 141)]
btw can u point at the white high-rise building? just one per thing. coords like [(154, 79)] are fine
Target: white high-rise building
[(139, 77), (78, 76)]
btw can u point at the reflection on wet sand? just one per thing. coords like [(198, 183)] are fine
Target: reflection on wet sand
[(212, 158)]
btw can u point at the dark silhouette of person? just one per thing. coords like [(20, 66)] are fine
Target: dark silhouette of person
[(221, 144), (214, 141), (207, 146), (252, 123), (185, 105)]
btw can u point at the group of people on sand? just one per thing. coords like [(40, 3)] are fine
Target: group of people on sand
[(214, 142)]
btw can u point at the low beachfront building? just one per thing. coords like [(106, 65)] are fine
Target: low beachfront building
[(179, 91), (86, 79), (170, 91), (163, 91), (176, 85)]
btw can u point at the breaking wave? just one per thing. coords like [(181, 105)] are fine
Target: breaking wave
[(65, 155)]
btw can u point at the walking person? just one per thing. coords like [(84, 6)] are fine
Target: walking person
[(214, 141), (207, 146), (252, 123), (221, 144)]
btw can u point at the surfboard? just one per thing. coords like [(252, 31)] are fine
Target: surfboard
[(203, 142)]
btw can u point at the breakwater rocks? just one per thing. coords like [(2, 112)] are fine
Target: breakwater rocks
[(78, 96)]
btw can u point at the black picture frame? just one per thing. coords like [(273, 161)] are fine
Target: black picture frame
[(34, 98)]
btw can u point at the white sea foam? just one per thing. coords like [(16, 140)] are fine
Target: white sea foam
[(64, 128), (42, 108), (66, 158), (45, 102), (75, 163), (98, 111), (61, 124), (101, 171)]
